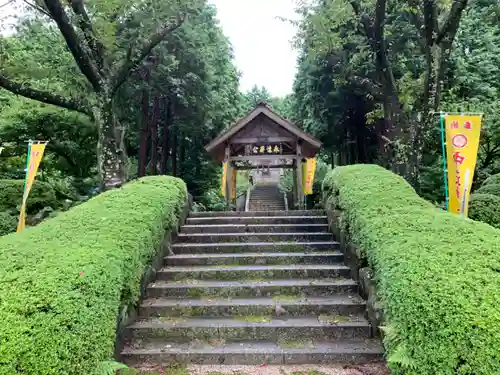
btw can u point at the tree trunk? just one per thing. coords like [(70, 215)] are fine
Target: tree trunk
[(143, 143), (182, 153), (111, 154), (165, 136), (174, 151), (154, 136)]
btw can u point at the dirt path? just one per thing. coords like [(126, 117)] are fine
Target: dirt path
[(373, 369)]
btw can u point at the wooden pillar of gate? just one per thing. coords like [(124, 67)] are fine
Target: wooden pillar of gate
[(295, 191), (300, 189), (227, 159)]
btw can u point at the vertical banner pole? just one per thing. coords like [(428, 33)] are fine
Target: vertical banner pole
[(445, 168)]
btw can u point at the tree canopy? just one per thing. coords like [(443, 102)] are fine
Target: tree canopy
[(373, 76)]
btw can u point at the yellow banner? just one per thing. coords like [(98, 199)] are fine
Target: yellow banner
[(462, 143), (308, 169), (35, 154), (233, 172), (224, 179)]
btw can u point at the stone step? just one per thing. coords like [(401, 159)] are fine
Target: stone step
[(229, 272), (251, 328), (257, 213), (254, 228), (254, 237), (253, 259), (252, 247), (252, 208), (345, 304), (250, 218), (248, 288), (274, 206), (253, 353), (267, 198)]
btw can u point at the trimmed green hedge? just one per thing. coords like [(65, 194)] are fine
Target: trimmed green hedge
[(63, 282), (485, 208), (438, 275), (493, 189), (11, 193), (493, 179), (8, 223)]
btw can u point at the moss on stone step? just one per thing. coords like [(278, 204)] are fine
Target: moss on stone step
[(288, 298), (334, 319), (253, 318), (296, 344)]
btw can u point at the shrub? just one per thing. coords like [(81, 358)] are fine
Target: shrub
[(494, 179), (485, 208), (493, 189), (8, 223), (437, 273), (212, 200), (63, 282), (11, 194)]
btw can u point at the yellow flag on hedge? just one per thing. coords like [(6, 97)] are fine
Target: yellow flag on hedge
[(462, 143), (35, 154), (308, 170)]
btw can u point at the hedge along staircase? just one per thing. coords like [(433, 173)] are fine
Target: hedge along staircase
[(253, 288)]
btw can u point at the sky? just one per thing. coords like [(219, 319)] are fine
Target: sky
[(262, 43)]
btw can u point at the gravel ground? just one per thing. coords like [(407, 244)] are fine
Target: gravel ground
[(372, 369)]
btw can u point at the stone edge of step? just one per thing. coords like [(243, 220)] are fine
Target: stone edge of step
[(165, 284), (325, 254), (270, 267), (292, 322), (334, 300), (253, 244), (344, 346)]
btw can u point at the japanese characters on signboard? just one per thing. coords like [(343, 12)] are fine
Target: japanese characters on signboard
[(462, 143), (264, 149)]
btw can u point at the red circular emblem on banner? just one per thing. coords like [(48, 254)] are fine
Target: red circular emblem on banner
[(459, 141)]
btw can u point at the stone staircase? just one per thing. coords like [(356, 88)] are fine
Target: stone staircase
[(266, 197), (252, 288)]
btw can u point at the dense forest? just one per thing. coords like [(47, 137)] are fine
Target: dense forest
[(125, 88), (373, 75)]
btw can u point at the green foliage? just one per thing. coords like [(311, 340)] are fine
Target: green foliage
[(486, 208), (63, 282), (72, 139), (437, 273), (282, 106), (212, 200), (341, 98), (492, 180), (11, 193), (8, 223), (489, 188)]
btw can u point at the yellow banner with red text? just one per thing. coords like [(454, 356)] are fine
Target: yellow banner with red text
[(35, 154), (462, 144), (225, 167), (308, 170)]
